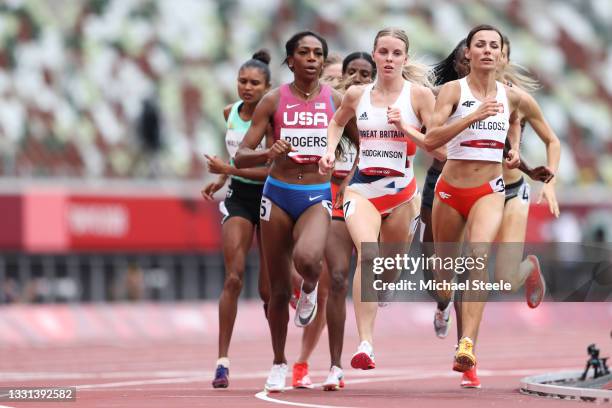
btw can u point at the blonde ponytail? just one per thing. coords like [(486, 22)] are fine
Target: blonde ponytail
[(417, 73), (519, 76)]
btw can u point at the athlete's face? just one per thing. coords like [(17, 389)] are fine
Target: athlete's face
[(362, 71), (503, 61), (307, 59), (251, 84), (390, 56), (462, 65), (485, 50), (333, 71)]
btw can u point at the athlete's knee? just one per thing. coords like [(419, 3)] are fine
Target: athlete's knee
[(308, 264), (369, 252), (280, 294), (235, 265), (338, 283), (233, 284)]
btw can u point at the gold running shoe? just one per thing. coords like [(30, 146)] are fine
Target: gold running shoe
[(464, 357)]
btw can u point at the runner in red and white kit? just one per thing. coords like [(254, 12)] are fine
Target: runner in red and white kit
[(357, 68), (473, 116), (381, 202)]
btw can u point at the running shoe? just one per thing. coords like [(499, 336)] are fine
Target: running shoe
[(295, 296), (276, 378), (306, 309), (300, 378), (335, 379), (364, 357), (464, 357), (535, 285), (470, 379), (385, 297), (221, 377), (442, 320)]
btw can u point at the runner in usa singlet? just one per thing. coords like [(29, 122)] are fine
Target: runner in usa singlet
[(304, 124)]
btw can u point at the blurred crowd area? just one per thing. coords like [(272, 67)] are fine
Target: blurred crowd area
[(136, 88)]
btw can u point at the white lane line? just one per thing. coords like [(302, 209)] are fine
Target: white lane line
[(264, 396), (5, 406)]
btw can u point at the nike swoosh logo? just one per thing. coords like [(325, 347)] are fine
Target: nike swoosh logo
[(310, 318), (314, 198), (292, 106)]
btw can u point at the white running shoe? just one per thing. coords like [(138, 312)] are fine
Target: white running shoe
[(306, 309), (277, 378), (364, 357), (442, 320), (335, 379)]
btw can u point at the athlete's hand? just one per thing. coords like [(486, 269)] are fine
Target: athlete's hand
[(513, 159), (548, 193), (327, 163), (490, 107), (279, 147), (394, 117), (541, 173), (216, 165), (211, 189)]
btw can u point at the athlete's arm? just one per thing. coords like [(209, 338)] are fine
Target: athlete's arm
[(247, 156), (423, 101), (440, 132), (345, 112), (533, 115), (255, 173)]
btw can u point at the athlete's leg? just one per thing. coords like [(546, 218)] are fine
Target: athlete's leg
[(264, 279), (482, 226), (312, 332), (310, 235), (277, 240), (363, 223), (511, 236), (237, 233), (448, 226), (338, 258), (396, 233), (427, 247)]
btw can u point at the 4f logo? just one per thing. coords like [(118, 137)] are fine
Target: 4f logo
[(468, 104)]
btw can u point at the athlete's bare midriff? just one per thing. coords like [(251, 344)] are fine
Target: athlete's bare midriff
[(470, 173), (286, 170)]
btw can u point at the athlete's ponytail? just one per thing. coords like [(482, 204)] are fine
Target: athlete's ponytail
[(516, 74), (260, 60), (417, 73)]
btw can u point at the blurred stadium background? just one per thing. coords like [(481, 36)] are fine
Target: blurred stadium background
[(108, 106)]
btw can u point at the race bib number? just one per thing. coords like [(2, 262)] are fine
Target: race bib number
[(379, 157), (310, 144), (524, 193), (233, 138), (265, 209), (328, 206), (498, 185), (344, 163)]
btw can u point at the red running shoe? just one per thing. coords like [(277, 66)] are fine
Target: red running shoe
[(470, 379), (535, 285), (300, 378)]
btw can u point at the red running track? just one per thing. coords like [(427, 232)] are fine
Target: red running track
[(413, 366)]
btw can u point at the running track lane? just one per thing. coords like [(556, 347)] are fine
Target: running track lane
[(413, 366)]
